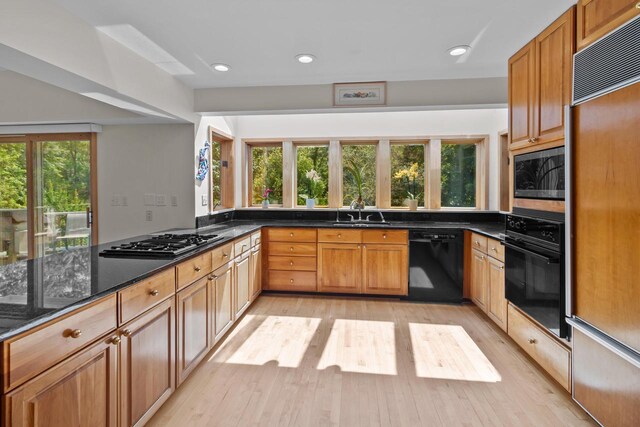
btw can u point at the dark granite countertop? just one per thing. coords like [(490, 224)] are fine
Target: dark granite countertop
[(36, 291)]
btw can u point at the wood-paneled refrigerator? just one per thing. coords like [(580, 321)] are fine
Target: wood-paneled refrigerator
[(603, 295)]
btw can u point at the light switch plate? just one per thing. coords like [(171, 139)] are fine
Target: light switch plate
[(149, 216), (161, 200), (204, 200), (149, 199), (125, 201), (115, 200), (174, 200)]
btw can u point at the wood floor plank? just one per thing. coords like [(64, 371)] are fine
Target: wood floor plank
[(320, 361)]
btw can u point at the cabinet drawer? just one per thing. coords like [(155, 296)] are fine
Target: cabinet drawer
[(33, 352), (291, 234), (551, 355), (222, 255), (339, 235), (256, 238), (193, 269), (479, 242), (292, 263), (495, 249), (385, 236), (242, 245), (292, 249), (292, 280), (140, 297)]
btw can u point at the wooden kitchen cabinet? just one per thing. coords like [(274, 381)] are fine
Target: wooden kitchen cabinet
[(192, 327), (540, 81), (147, 363), (340, 267), (521, 96), (242, 283), (479, 279), (255, 273), (599, 17), (497, 303), (385, 269), (292, 263), (221, 299), (80, 391)]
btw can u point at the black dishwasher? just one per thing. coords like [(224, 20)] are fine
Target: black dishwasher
[(436, 264)]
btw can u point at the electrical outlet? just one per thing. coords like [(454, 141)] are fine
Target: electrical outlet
[(125, 201), (205, 201), (149, 215), (174, 200), (161, 200), (149, 199), (115, 200)]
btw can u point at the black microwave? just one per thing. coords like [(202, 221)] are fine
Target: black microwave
[(539, 175)]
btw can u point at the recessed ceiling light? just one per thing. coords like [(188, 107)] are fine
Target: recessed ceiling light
[(459, 50), (221, 67), (305, 58)]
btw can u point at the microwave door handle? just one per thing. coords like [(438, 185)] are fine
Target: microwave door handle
[(549, 260)]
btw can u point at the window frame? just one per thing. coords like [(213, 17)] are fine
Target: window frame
[(227, 191), (432, 172)]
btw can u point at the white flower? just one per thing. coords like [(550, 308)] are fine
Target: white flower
[(313, 175)]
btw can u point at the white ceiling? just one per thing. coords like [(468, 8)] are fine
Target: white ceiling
[(353, 40)]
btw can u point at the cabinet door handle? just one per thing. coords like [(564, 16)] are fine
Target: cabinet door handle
[(75, 333), (291, 249), (502, 267), (290, 234), (115, 340), (477, 242), (225, 255), (154, 293), (196, 268), (339, 236), (127, 332), (494, 249), (532, 341), (291, 263)]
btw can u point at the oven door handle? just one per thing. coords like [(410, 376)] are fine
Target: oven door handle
[(532, 253)]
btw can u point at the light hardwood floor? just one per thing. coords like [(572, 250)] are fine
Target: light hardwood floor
[(305, 361)]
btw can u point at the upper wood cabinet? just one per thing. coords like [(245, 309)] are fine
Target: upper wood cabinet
[(598, 17), (147, 357), (80, 391), (540, 84)]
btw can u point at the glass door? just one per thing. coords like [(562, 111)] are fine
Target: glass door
[(14, 224), (62, 202)]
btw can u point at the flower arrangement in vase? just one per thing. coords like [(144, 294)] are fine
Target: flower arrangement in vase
[(265, 198), (314, 186), (409, 176)]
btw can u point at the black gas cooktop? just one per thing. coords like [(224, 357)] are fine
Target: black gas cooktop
[(161, 246)]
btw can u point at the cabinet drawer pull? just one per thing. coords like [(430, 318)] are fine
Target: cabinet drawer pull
[(477, 242), (532, 341), (75, 333), (290, 234), (339, 236), (291, 263), (244, 246), (291, 249), (127, 332), (196, 268), (494, 249), (290, 280), (502, 267), (154, 293), (384, 236), (482, 257), (115, 340), (637, 5), (225, 255)]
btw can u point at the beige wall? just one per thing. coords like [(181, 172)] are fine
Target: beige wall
[(134, 160)]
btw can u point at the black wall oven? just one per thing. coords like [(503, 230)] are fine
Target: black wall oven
[(540, 175), (534, 270)]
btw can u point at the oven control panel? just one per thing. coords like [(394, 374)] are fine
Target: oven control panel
[(534, 228)]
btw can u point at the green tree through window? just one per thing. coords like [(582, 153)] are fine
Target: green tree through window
[(458, 182), (267, 173), (407, 174)]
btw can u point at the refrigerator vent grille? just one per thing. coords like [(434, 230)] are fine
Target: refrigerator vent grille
[(608, 64)]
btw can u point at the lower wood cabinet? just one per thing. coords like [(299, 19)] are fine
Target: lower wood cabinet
[(340, 267), (242, 283), (221, 295), (385, 269), (147, 358), (255, 271), (497, 303), (193, 336), (479, 279), (80, 391)]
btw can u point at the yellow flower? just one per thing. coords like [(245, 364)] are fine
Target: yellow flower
[(410, 174)]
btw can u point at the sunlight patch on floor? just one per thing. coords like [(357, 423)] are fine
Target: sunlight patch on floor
[(283, 339), (362, 346), (448, 352)]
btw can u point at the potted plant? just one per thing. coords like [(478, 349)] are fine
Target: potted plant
[(314, 184), (265, 198), (409, 176), (357, 174)]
